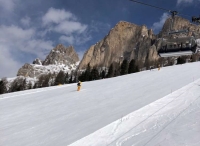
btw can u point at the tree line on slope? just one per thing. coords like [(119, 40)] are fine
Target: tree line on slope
[(90, 74)]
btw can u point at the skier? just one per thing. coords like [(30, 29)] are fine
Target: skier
[(79, 86), (158, 67)]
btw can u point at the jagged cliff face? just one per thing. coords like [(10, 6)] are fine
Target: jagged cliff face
[(61, 55), (60, 58), (130, 41), (124, 41)]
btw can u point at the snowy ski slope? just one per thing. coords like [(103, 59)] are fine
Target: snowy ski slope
[(147, 108)]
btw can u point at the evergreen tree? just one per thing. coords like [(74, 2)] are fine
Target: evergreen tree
[(180, 60), (103, 74), (124, 67), (132, 67), (161, 61), (46, 79), (3, 83), (88, 73), (94, 74), (75, 79), (117, 68), (116, 73), (40, 81), (194, 58), (29, 85), (1, 87), (66, 81), (51, 79), (60, 78), (170, 61), (82, 77), (137, 68), (147, 64), (35, 85), (71, 79), (110, 71), (17, 85), (23, 85)]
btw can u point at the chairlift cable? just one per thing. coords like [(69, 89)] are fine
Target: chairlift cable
[(166, 49), (170, 11)]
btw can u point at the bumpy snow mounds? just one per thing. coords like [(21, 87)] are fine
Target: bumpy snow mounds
[(141, 109)]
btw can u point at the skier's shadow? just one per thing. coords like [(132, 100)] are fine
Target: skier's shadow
[(74, 91), (78, 91)]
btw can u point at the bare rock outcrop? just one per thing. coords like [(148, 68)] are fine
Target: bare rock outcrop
[(62, 55), (37, 61), (26, 70), (124, 41)]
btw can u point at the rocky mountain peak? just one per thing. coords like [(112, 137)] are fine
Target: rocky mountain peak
[(62, 55), (59, 58), (125, 41)]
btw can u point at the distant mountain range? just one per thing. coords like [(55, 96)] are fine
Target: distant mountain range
[(125, 41)]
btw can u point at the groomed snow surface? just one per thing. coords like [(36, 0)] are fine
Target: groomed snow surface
[(150, 108)]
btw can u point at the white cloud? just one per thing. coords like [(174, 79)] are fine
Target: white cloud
[(38, 47), (25, 21), (184, 1), (65, 23), (158, 25), (68, 39), (62, 22), (14, 38), (75, 39), (68, 27), (33, 40), (57, 16), (7, 5), (15, 33), (8, 65), (23, 39)]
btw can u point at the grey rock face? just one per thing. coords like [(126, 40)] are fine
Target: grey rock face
[(124, 41), (130, 41), (61, 55), (37, 61), (25, 70)]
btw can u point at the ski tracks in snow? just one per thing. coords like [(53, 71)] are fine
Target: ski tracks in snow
[(158, 116), (122, 140)]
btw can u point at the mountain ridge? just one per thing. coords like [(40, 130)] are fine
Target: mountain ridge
[(60, 58)]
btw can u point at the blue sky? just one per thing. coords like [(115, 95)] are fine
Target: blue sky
[(30, 29)]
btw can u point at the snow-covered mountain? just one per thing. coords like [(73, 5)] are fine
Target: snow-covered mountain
[(148, 108), (60, 58)]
